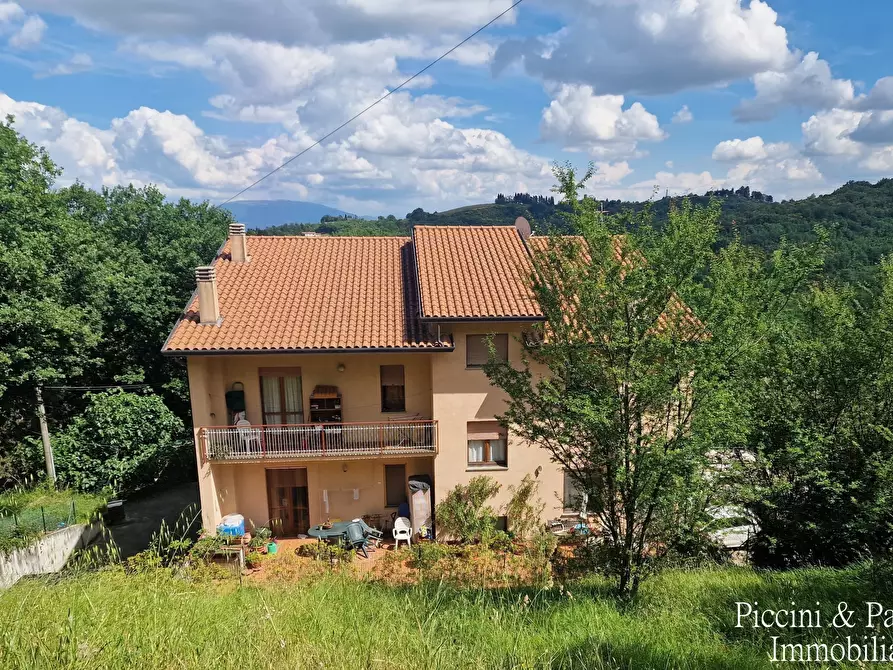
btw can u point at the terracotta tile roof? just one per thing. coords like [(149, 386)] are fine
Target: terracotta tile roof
[(312, 293), (468, 272)]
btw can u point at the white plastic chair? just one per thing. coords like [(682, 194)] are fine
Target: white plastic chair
[(402, 531), (247, 435)]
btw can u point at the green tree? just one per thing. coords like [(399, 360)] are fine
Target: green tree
[(122, 441), (817, 468), (51, 299), (624, 388)]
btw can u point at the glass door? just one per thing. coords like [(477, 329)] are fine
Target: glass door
[(289, 501)]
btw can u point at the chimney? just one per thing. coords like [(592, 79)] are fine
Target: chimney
[(208, 309), (238, 244)]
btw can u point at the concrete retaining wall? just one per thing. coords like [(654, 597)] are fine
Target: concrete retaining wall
[(47, 554)]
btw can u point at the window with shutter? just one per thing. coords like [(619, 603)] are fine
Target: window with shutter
[(393, 388), (477, 351), (487, 444)]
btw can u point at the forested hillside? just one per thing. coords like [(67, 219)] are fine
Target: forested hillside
[(859, 217)]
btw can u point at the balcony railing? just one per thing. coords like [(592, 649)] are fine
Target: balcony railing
[(318, 440)]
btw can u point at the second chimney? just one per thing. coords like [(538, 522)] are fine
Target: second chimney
[(208, 309), (238, 243)]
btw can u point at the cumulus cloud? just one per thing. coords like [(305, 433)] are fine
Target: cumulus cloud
[(753, 148), (683, 115), (310, 22), (581, 120), (653, 46), (849, 136), (24, 30), (808, 84), (879, 97), (827, 133), (775, 167)]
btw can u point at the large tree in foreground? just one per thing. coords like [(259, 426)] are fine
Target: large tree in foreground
[(630, 383)]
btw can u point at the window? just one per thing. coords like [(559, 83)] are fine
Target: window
[(477, 351), (281, 395), (486, 444), (393, 390), (573, 501), (395, 485)]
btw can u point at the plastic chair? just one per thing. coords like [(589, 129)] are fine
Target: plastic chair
[(357, 539), (402, 531), (247, 435), (373, 534)]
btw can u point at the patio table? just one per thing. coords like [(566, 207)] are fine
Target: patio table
[(338, 530)]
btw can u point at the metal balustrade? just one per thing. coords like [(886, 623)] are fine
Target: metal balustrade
[(318, 440)]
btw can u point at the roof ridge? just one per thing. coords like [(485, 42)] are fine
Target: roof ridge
[(455, 226), (323, 236)]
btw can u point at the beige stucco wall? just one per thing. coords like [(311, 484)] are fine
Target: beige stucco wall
[(245, 488), (437, 386), (461, 395), (241, 488)]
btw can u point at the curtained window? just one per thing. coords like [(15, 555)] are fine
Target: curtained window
[(487, 442), (282, 396)]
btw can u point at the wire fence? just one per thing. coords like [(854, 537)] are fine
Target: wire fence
[(37, 520)]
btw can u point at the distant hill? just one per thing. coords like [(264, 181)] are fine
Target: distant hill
[(859, 216), (265, 213)]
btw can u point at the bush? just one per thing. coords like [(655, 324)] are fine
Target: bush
[(325, 552), (122, 441), (464, 514), (524, 510)]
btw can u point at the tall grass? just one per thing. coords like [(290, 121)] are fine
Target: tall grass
[(681, 620)]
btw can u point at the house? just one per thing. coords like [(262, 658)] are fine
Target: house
[(327, 372)]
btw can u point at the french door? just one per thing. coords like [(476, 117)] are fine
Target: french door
[(289, 501)]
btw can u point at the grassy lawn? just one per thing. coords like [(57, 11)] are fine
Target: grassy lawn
[(24, 514), (680, 620)]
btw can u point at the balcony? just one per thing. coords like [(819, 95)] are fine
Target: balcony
[(318, 441)]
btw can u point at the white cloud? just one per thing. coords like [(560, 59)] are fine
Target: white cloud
[(767, 166), (849, 137), (879, 97), (753, 148), (10, 11), (580, 120), (308, 22), (808, 84), (79, 62), (29, 34), (826, 133), (653, 46), (683, 115)]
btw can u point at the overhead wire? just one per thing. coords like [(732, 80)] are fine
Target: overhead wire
[(373, 104)]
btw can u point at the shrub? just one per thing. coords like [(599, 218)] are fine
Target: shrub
[(122, 440), (524, 509), (325, 552), (464, 513), (501, 542)]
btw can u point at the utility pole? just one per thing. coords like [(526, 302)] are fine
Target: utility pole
[(45, 438)]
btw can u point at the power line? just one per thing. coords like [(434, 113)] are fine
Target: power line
[(97, 387), (366, 109)]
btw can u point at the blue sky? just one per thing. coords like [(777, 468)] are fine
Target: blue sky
[(203, 97)]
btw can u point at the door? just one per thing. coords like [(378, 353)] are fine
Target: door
[(289, 501)]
